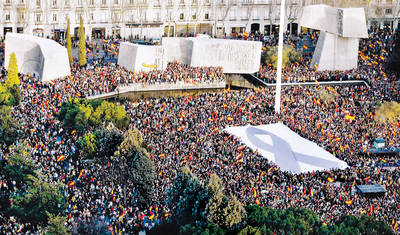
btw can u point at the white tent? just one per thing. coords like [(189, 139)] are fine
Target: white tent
[(43, 58), (135, 57), (291, 152)]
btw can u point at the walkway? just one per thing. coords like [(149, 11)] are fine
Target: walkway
[(139, 87)]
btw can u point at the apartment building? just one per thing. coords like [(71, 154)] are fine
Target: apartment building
[(155, 18)]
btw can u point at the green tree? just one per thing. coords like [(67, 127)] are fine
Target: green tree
[(9, 127), (12, 72), (388, 112), (69, 43), (233, 212), (110, 112), (187, 198), (57, 225), (199, 228), (10, 91), (33, 205), (368, 225), (87, 145), (270, 56), (133, 157), (217, 202), (82, 44), (249, 230)]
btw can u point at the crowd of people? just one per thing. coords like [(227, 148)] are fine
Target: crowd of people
[(189, 131)]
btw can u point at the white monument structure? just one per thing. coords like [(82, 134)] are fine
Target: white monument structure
[(234, 56), (341, 29), (141, 58), (43, 58)]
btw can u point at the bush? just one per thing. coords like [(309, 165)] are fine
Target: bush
[(270, 56), (80, 114)]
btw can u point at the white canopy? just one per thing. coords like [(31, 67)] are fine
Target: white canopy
[(37, 56), (291, 152)]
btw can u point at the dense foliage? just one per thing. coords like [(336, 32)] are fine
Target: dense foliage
[(9, 128), (32, 199), (207, 210), (82, 44), (132, 158), (9, 91), (388, 112), (81, 114), (270, 56), (69, 43)]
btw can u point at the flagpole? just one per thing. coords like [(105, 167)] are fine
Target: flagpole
[(279, 67)]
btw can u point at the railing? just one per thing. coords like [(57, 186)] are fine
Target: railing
[(139, 87)]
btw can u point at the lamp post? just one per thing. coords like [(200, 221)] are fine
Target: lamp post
[(279, 67)]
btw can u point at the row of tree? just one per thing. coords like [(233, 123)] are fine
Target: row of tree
[(82, 44), (199, 209)]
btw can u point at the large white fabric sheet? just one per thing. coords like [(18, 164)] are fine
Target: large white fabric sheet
[(291, 152), (37, 56)]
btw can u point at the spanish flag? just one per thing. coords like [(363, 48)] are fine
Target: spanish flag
[(330, 179), (161, 155), (60, 158), (241, 147), (180, 128), (216, 129), (151, 217), (315, 67), (305, 47), (245, 35), (105, 41), (72, 183), (81, 173), (229, 118), (239, 156), (348, 202)]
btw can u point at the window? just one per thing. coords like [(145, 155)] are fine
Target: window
[(131, 2), (7, 17), (193, 17), (54, 17), (115, 2), (104, 2), (54, 3), (388, 11), (38, 17), (21, 16), (181, 16), (66, 2), (21, 1), (38, 3), (91, 17), (206, 16), (91, 2), (7, 1)]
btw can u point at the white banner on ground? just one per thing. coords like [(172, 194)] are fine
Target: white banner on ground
[(291, 152)]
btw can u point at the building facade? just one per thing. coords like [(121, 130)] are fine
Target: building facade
[(155, 18)]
